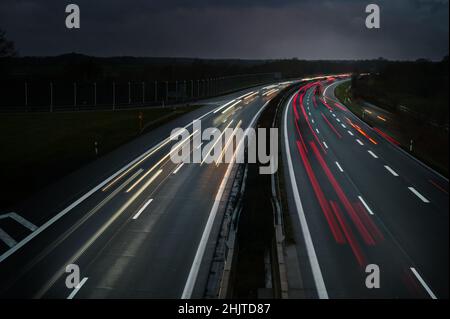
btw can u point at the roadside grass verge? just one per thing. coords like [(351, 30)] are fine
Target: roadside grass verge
[(344, 95), (39, 148), (430, 144)]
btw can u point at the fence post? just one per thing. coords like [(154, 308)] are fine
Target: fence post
[(129, 92), (167, 91), (114, 95), (74, 94), (198, 88), (26, 95), (176, 90), (156, 91), (143, 93), (192, 89), (51, 96), (95, 93)]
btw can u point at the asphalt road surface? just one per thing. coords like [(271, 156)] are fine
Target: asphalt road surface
[(136, 224), (360, 200)]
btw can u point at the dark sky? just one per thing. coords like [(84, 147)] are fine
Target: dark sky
[(249, 29)]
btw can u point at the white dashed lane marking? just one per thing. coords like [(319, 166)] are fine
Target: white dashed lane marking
[(415, 192), (390, 170), (373, 154)]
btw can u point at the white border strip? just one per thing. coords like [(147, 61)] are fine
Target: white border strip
[(58, 216), (314, 262), (195, 268)]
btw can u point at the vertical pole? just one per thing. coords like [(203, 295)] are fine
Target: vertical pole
[(176, 90), (198, 88), (167, 91), (26, 95), (143, 92), (129, 92), (51, 96), (411, 145), (74, 94), (192, 89), (95, 93), (96, 147), (114, 95), (156, 91)]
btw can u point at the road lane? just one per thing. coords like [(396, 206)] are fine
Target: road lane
[(358, 212), (149, 256)]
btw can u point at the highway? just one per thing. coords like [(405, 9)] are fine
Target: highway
[(140, 226), (357, 199), (136, 224)]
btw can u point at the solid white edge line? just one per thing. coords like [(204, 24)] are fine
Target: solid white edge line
[(77, 288), (311, 252), (391, 170), (142, 208), (415, 192), (365, 205), (195, 268), (339, 166), (51, 221), (423, 283)]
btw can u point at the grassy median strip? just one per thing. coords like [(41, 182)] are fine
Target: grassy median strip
[(38, 148)]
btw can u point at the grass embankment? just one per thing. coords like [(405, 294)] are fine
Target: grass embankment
[(38, 148), (343, 93), (430, 143)]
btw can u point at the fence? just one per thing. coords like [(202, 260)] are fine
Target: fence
[(31, 96)]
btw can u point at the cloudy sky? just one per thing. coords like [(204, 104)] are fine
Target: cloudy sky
[(249, 29)]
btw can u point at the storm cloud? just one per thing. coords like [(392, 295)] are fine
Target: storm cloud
[(247, 29)]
